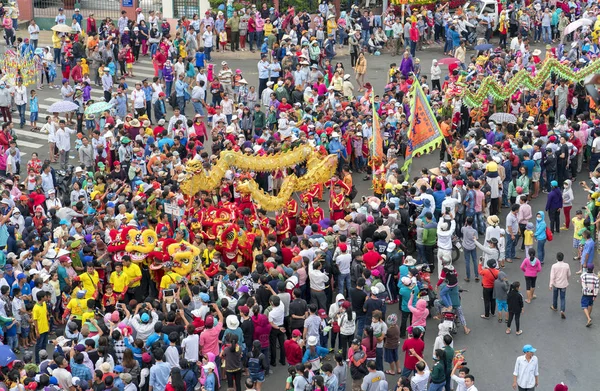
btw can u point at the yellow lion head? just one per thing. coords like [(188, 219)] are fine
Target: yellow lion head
[(140, 244), (183, 255)]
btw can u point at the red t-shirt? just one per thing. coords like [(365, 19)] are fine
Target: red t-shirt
[(409, 361), (287, 255), (371, 258)]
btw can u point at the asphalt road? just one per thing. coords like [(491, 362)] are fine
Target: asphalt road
[(491, 353)]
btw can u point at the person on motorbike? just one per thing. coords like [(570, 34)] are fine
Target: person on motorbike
[(449, 279), (445, 230)]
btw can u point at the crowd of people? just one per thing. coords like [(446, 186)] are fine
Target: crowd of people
[(337, 284)]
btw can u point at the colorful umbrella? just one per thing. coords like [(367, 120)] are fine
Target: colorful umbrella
[(98, 107), (6, 355), (62, 107), (448, 61)]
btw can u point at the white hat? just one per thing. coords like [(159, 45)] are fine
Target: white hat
[(273, 249), (210, 365), (232, 322), (391, 247), (269, 83), (346, 76), (234, 117), (312, 341), (78, 169), (374, 290), (335, 134), (409, 261), (324, 246), (359, 134)]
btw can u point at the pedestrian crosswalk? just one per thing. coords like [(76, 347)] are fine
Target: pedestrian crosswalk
[(38, 141)]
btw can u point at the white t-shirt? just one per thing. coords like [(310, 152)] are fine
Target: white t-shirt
[(420, 382), (208, 39), (190, 346), (138, 98), (64, 378), (596, 145), (277, 314), (172, 356), (34, 32)]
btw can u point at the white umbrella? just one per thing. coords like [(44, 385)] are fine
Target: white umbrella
[(503, 117), (62, 28), (577, 24)]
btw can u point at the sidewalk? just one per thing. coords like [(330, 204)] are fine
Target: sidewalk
[(46, 40)]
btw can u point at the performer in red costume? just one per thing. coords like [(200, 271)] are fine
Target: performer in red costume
[(337, 202), (283, 226), (316, 213), (291, 211), (304, 218)]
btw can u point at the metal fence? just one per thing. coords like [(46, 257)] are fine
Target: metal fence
[(185, 8), (101, 8)]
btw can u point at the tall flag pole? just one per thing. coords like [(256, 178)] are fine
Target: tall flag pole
[(377, 140)]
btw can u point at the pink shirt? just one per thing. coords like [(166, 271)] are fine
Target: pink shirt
[(529, 270), (209, 339), (478, 200), (559, 275)]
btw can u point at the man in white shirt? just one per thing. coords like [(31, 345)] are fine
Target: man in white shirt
[(63, 143), (461, 380), (207, 36), (420, 380), (318, 281), (176, 117), (526, 373), (138, 100), (34, 33), (64, 377), (20, 94), (190, 345), (276, 317)]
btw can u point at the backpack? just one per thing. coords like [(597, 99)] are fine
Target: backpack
[(122, 54), (160, 344), (358, 372), (173, 100), (353, 193)]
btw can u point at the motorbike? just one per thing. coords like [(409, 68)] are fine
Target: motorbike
[(63, 184), (450, 318)]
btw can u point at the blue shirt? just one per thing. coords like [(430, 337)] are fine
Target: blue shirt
[(180, 87), (529, 165), (263, 70), (200, 60), (80, 371), (588, 249), (159, 376), (210, 382), (163, 141), (78, 18), (33, 105), (148, 93)]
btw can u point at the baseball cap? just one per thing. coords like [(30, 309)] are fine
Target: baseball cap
[(296, 333), (529, 348)]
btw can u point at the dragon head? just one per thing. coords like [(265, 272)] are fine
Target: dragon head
[(183, 255), (141, 244)]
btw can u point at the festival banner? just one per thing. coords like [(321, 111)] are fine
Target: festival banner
[(424, 134), (377, 140)]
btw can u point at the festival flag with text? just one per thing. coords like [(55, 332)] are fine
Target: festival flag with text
[(424, 133)]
